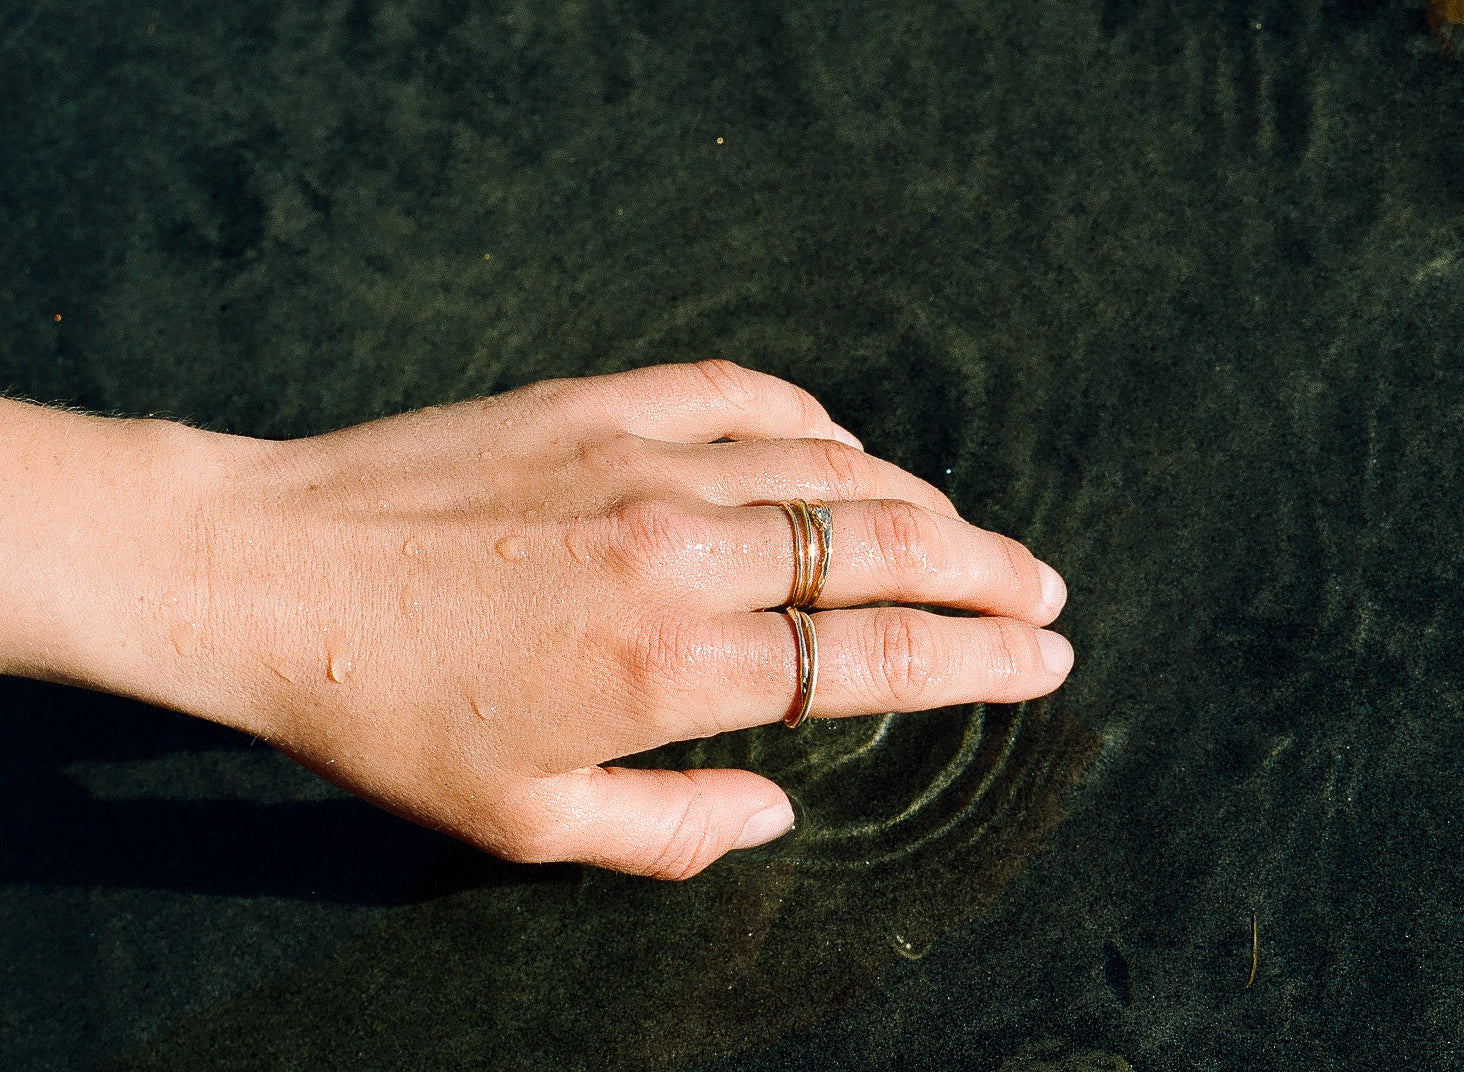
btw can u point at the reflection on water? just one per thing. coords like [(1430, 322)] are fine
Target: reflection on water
[(955, 783)]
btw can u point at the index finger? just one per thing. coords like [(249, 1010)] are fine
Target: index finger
[(705, 401)]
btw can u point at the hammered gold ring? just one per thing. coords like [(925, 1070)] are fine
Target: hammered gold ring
[(813, 542), (807, 639)]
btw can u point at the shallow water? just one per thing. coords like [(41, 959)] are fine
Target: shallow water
[(1169, 292)]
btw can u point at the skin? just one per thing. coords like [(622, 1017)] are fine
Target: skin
[(466, 613)]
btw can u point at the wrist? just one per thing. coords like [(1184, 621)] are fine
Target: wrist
[(103, 531)]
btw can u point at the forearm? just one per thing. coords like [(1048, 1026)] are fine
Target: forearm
[(95, 519)]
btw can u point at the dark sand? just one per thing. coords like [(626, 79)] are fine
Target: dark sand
[(1169, 291)]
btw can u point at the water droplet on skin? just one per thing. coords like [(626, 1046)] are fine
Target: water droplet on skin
[(482, 710), (185, 636), (339, 667), (411, 605), (411, 546), (511, 548)]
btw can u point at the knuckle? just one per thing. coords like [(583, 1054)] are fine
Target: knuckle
[(807, 409), (744, 389), (844, 470), (610, 455), (904, 657), (802, 408), (904, 537), (727, 381), (653, 538), (662, 652)]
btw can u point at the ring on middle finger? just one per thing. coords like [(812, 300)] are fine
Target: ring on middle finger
[(813, 541)]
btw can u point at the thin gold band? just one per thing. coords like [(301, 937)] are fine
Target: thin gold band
[(800, 549), (807, 639)]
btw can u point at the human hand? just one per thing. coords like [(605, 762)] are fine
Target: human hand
[(465, 613)]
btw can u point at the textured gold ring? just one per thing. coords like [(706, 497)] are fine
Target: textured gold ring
[(807, 639), (813, 543)]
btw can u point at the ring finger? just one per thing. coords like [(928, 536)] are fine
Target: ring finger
[(869, 660)]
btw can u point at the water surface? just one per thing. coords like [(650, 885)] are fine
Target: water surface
[(1168, 291)]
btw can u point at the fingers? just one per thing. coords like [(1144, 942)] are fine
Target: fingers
[(703, 402), (696, 676), (673, 824), (663, 824), (757, 471), (888, 550), (765, 471), (900, 659), (893, 551)]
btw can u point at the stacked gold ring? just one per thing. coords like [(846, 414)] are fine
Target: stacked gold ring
[(807, 666), (813, 543)]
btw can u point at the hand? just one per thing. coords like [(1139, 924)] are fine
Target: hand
[(464, 613)]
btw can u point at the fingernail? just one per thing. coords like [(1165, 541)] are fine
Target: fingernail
[(1057, 653), (766, 825), (1054, 591), (843, 435)]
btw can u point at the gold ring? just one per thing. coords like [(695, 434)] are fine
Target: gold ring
[(807, 666), (813, 543)]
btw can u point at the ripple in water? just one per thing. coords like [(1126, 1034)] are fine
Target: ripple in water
[(909, 826)]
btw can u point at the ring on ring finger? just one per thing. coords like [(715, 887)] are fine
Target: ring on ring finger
[(807, 666)]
